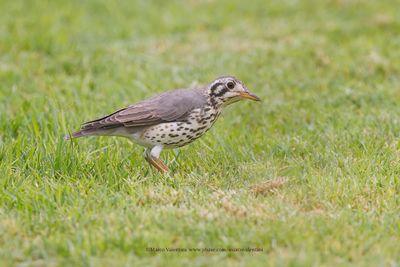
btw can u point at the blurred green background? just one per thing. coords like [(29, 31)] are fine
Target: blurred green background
[(311, 175)]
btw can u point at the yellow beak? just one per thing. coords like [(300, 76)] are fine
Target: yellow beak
[(250, 96)]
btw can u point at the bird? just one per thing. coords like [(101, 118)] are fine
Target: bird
[(169, 120)]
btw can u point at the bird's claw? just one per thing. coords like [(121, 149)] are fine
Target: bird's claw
[(158, 164)]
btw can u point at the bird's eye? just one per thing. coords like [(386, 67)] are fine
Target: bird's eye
[(230, 85)]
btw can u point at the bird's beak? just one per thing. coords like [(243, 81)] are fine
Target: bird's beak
[(249, 95)]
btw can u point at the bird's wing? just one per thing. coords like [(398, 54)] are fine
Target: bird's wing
[(170, 106)]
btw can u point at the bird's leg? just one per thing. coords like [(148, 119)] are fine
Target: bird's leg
[(152, 157)]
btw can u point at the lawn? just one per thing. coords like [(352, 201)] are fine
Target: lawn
[(310, 175)]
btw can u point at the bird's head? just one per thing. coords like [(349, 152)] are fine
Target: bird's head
[(227, 90)]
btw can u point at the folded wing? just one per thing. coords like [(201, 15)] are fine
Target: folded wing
[(167, 107)]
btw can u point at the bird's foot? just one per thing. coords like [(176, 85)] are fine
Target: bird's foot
[(158, 164)]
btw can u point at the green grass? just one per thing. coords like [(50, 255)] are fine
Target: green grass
[(328, 74)]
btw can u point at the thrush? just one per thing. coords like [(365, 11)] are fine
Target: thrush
[(169, 120)]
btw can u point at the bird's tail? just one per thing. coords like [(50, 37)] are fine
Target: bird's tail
[(81, 133)]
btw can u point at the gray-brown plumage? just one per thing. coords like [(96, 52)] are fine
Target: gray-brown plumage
[(171, 119)]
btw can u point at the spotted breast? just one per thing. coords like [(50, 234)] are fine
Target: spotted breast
[(178, 134)]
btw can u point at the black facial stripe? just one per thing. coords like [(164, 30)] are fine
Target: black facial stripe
[(220, 93), (215, 86)]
